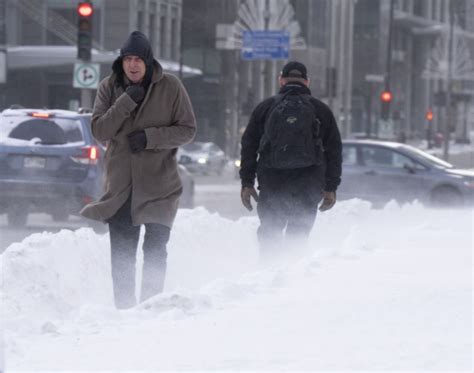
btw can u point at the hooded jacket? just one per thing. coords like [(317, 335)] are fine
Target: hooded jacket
[(150, 176)]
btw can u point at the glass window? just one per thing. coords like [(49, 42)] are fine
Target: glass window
[(193, 147), (375, 156), (141, 16), (163, 46), (15, 130), (174, 33), (349, 155), (431, 159), (152, 23)]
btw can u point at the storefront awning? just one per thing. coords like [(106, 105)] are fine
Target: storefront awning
[(44, 56)]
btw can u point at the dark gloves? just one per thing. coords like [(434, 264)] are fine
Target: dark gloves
[(137, 140), (329, 200), (136, 93), (245, 195)]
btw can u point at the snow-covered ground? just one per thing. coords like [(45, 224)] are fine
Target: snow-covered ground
[(381, 290)]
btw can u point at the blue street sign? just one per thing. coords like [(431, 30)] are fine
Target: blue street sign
[(265, 45)]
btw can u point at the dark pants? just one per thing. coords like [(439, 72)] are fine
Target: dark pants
[(123, 242), (286, 219)]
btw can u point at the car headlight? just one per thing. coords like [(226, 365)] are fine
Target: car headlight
[(202, 160), (237, 163)]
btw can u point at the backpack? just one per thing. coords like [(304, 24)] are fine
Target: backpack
[(291, 137)]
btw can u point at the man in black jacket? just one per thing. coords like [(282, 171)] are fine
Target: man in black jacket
[(289, 196)]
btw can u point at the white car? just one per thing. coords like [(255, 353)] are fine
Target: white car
[(202, 157)]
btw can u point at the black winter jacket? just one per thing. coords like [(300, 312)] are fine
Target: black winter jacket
[(326, 177)]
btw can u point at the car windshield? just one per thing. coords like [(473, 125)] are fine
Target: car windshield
[(193, 147), (18, 130), (431, 159)]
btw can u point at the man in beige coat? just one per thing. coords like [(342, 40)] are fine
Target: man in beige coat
[(143, 114)]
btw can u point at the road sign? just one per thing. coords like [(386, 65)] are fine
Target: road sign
[(374, 78), (86, 75), (265, 45)]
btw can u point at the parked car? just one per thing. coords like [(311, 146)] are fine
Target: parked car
[(50, 163), (380, 171), (202, 157), (186, 200)]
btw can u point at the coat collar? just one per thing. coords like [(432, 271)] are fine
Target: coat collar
[(296, 87)]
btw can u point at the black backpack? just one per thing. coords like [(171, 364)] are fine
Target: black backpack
[(291, 137)]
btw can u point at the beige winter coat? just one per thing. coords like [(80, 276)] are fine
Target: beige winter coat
[(150, 176)]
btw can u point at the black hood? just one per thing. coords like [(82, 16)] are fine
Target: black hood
[(137, 44)]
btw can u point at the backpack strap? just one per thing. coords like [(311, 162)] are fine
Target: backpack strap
[(279, 98)]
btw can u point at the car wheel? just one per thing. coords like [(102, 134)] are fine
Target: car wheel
[(17, 216), (445, 196)]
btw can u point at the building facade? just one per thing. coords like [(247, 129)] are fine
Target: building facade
[(344, 44), (54, 23), (417, 69)]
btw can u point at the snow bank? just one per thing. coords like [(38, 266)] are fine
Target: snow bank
[(53, 275), (59, 285)]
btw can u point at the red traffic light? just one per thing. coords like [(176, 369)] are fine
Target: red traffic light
[(85, 9), (386, 96), (429, 115)]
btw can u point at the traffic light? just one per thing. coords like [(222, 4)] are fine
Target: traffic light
[(84, 34), (385, 99), (429, 115)]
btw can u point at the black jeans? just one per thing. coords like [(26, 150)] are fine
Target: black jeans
[(279, 209), (123, 242)]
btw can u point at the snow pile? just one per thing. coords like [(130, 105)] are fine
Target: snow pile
[(379, 289)]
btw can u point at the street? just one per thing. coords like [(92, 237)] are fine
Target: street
[(218, 194)]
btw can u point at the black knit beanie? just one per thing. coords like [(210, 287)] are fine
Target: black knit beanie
[(137, 44)]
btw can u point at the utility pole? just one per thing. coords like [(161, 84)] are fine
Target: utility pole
[(3, 52), (267, 65), (449, 79), (3, 41), (388, 68)]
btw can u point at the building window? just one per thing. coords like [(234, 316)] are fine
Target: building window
[(163, 18), (141, 15), (418, 8), (174, 33), (152, 23)]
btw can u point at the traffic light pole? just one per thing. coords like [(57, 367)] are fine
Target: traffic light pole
[(86, 98), (388, 68), (85, 12), (449, 110)]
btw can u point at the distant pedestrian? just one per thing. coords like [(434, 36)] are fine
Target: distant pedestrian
[(293, 146), (143, 114)]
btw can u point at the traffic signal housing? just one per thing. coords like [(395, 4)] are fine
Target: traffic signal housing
[(429, 115), (385, 100), (85, 10)]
